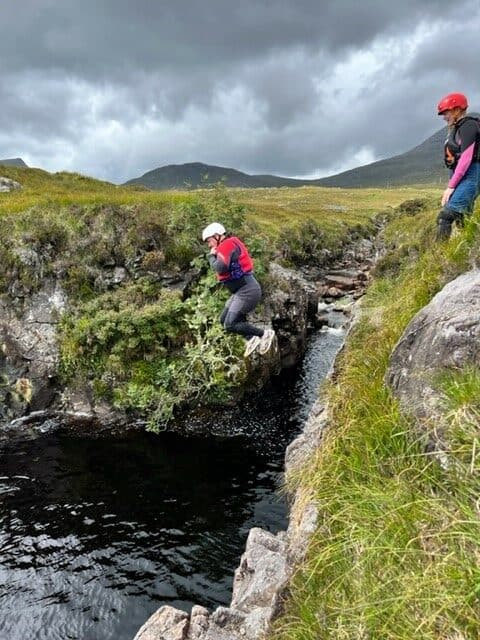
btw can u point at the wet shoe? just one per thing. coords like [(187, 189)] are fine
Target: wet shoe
[(252, 344), (266, 341)]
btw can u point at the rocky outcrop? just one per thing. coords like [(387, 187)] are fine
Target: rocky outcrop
[(7, 184), (444, 335), (29, 358), (292, 304), (29, 364), (29, 352)]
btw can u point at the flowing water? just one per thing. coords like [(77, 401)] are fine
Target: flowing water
[(96, 534)]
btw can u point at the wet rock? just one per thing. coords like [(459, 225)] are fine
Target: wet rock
[(335, 283), (322, 319), (292, 303), (334, 292), (340, 281), (81, 401)]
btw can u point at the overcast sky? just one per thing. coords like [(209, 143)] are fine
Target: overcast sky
[(115, 88)]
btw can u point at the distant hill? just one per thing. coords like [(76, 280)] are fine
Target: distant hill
[(193, 175), (14, 162), (421, 165)]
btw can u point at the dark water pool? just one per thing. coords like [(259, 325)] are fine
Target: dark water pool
[(97, 534)]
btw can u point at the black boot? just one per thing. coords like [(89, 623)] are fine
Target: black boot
[(445, 219), (444, 231)]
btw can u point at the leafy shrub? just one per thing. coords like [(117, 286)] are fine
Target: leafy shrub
[(153, 357)]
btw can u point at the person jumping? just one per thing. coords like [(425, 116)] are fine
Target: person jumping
[(233, 265)]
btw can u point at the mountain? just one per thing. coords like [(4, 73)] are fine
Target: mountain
[(196, 174), (14, 162), (421, 165)]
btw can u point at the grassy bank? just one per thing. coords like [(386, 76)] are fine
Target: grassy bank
[(396, 551)]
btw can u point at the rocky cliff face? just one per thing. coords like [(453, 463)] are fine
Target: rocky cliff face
[(29, 356), (29, 359)]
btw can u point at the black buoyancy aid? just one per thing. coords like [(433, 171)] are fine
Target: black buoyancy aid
[(452, 146)]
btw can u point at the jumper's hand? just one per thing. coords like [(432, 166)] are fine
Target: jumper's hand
[(446, 195), (213, 251)]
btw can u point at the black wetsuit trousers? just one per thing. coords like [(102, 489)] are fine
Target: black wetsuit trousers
[(243, 301)]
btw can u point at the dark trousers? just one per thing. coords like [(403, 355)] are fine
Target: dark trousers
[(243, 301)]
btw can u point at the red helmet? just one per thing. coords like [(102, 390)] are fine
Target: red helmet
[(451, 101)]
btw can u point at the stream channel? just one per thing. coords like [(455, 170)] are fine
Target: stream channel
[(96, 534)]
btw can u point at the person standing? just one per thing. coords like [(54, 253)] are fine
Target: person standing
[(462, 157), (233, 265)]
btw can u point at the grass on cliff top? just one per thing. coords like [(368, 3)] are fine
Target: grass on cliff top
[(41, 188), (299, 223), (396, 553)]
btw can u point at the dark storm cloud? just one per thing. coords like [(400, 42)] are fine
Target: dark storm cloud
[(115, 88), (454, 54), (119, 36)]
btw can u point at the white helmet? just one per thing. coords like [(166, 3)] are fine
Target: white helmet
[(212, 230)]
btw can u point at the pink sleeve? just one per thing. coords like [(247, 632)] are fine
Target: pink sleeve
[(464, 162)]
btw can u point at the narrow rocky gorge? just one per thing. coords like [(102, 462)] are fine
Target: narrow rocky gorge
[(269, 560), (443, 336)]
